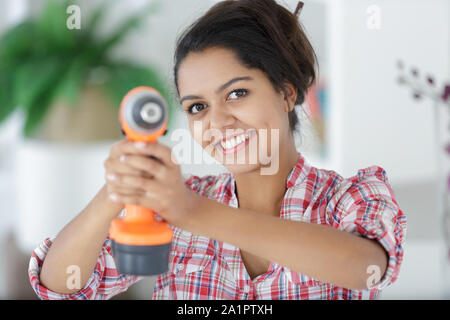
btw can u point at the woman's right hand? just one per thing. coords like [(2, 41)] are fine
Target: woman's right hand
[(113, 167)]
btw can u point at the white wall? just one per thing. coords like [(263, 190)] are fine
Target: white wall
[(382, 124)]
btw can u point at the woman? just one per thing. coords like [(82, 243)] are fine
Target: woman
[(297, 232)]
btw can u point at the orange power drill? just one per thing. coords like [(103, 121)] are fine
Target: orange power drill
[(140, 243)]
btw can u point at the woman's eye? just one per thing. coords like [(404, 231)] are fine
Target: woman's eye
[(196, 108), (235, 94)]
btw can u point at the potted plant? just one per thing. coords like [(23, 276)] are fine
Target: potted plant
[(68, 88)]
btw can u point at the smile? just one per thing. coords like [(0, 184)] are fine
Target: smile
[(235, 143)]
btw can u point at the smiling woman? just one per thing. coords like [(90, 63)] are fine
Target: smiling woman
[(265, 36), (255, 65), (298, 232)]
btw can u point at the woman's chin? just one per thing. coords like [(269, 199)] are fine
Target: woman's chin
[(238, 164), (241, 168)]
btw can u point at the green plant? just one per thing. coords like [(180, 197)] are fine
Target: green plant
[(42, 60)]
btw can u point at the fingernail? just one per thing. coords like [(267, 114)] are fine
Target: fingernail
[(113, 197), (111, 176), (122, 158), (140, 145)]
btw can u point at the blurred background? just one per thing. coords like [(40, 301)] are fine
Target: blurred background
[(382, 98)]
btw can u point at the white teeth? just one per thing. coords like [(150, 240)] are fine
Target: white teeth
[(231, 143)]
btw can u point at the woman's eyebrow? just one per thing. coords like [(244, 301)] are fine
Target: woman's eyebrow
[(220, 89)]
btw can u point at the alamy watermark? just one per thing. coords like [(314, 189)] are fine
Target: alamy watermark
[(74, 19), (74, 279), (375, 275), (228, 148)]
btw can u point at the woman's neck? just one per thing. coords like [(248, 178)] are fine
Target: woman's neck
[(265, 193)]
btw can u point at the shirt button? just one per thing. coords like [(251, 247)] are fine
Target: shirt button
[(246, 288), (180, 266)]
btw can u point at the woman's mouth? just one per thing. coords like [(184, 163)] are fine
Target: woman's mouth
[(235, 143)]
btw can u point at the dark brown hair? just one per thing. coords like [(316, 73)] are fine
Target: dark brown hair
[(263, 35)]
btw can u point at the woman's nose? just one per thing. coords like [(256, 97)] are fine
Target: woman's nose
[(220, 117)]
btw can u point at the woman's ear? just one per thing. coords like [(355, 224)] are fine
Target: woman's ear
[(290, 96)]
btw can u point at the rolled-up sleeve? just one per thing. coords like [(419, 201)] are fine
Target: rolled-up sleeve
[(365, 205), (104, 282)]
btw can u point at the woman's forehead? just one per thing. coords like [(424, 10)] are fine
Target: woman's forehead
[(211, 67), (211, 55)]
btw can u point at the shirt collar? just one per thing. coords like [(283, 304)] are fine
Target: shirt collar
[(298, 172)]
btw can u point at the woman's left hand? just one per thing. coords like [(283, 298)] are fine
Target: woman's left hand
[(161, 188)]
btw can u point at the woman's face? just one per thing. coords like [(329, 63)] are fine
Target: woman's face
[(234, 113)]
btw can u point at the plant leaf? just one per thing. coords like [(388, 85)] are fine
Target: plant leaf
[(6, 101), (133, 22), (71, 82), (34, 85), (94, 20), (32, 78), (15, 43), (36, 112), (52, 30)]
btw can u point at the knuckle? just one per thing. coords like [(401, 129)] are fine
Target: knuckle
[(142, 182), (146, 175), (150, 165), (137, 173), (136, 181), (162, 171)]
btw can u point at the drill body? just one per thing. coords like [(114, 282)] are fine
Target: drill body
[(141, 243)]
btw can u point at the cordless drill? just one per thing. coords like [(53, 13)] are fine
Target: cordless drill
[(141, 243)]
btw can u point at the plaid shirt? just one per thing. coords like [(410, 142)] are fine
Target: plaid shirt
[(203, 268)]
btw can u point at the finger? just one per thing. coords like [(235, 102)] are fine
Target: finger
[(136, 199), (116, 180), (145, 164), (136, 182), (157, 150), (130, 185), (125, 146), (125, 190), (154, 149), (114, 166), (120, 147)]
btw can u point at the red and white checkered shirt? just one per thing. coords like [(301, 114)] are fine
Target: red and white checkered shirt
[(204, 268)]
